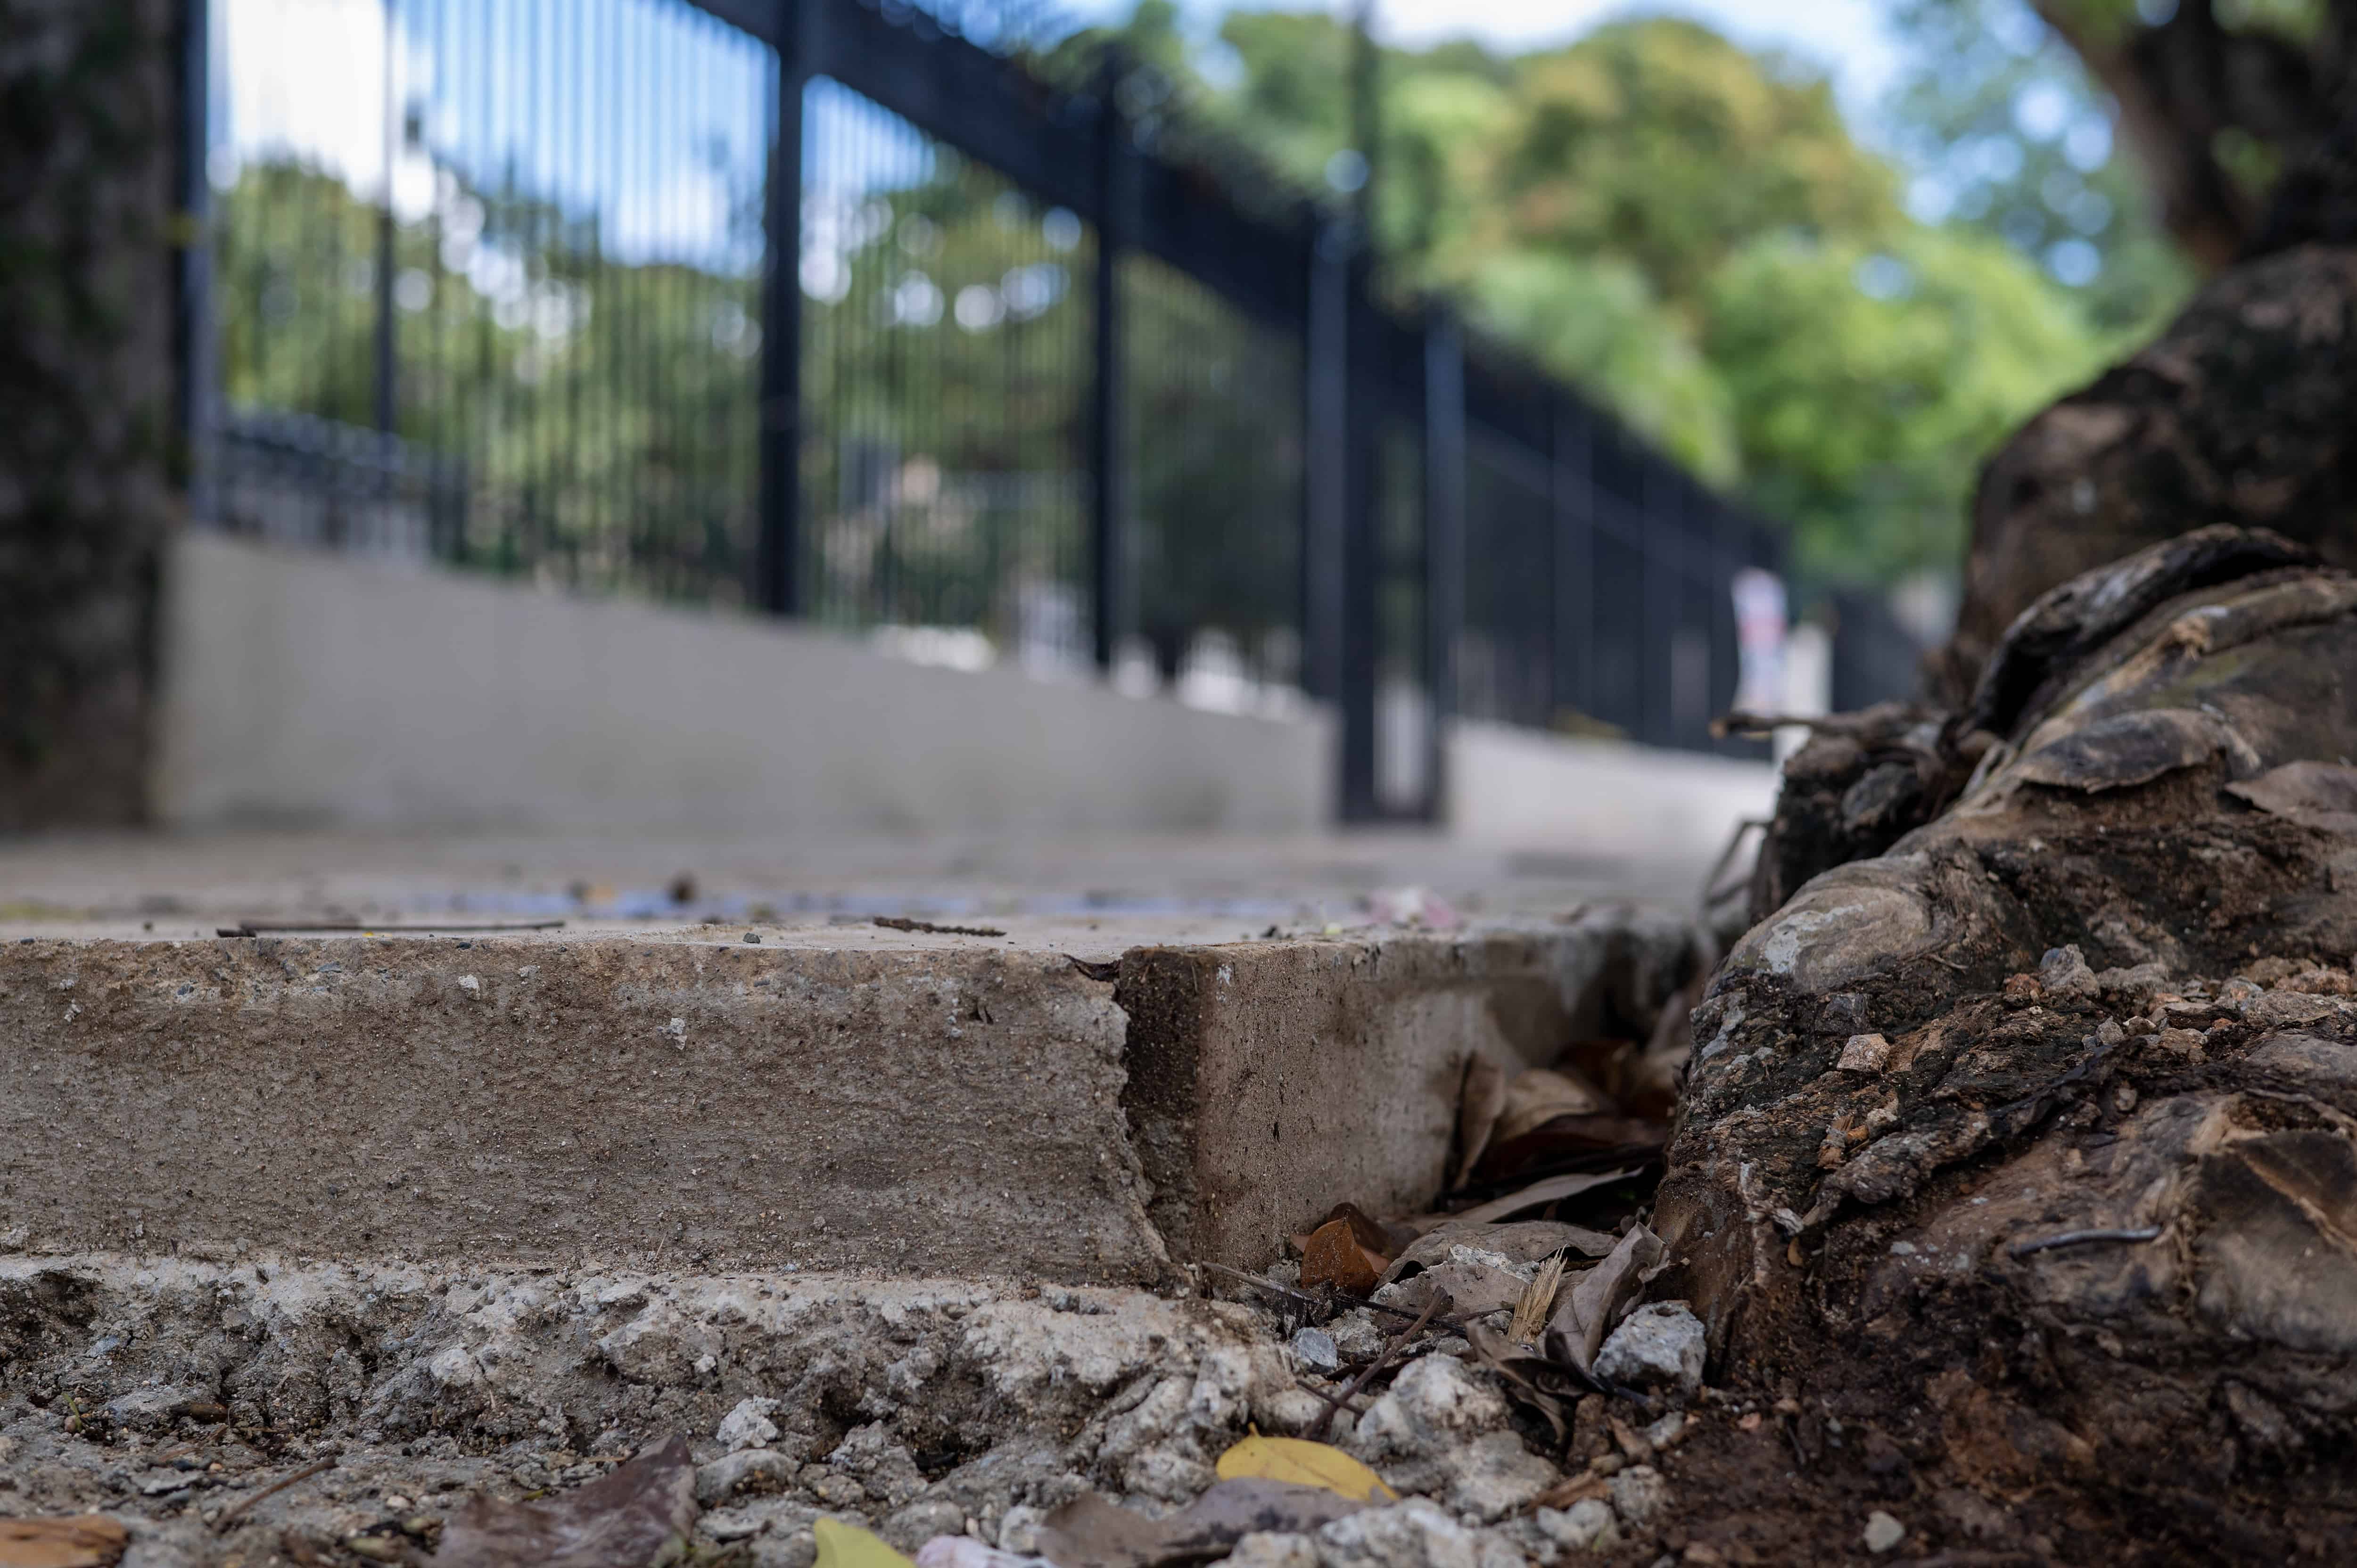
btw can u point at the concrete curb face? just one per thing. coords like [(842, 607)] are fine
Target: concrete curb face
[(952, 1110)]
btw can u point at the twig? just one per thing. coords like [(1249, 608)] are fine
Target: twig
[(1334, 1402), (261, 927), (2082, 1238), (1310, 1299), (230, 1516), (898, 923)]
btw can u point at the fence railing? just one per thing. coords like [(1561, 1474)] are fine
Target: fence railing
[(941, 324)]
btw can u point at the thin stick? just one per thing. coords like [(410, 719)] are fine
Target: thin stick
[(260, 928), (2081, 1238), (230, 1516), (1308, 1299), (1334, 1402)]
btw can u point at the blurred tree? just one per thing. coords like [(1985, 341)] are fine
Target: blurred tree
[(2005, 130)]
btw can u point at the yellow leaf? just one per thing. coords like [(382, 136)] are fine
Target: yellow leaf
[(1303, 1463), (843, 1545)]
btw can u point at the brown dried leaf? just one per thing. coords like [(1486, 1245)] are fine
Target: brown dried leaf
[(1553, 1190), (1539, 1096), (1334, 1255), (1585, 1314), (1573, 1142), (1520, 1241), (1530, 1380), (1091, 1533), (82, 1541), (1478, 1106), (620, 1521)]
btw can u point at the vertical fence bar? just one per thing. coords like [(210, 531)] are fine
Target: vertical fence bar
[(1571, 503), (1360, 540), (385, 372), (1444, 544), (777, 545), (1108, 452), (192, 326), (1326, 465)]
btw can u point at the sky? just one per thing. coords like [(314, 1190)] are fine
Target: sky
[(668, 170)]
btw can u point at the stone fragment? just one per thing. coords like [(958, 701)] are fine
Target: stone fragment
[(1639, 1496), (748, 1425), (2064, 976), (1865, 1052), (1266, 1549), (1883, 1532), (1314, 1349), (1659, 1345), (1588, 1525), (746, 1469), (1414, 1534), (1443, 1430)]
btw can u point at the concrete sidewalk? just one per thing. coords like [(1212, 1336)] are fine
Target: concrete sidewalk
[(1106, 890)]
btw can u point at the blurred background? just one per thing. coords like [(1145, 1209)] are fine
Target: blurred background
[(972, 415)]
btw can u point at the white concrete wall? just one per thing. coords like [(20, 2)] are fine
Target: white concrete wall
[(1522, 787), (304, 688), (307, 688)]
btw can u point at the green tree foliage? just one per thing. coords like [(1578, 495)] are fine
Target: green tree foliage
[(1690, 231), (2005, 132)]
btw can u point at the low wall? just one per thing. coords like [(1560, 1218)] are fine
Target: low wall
[(308, 688)]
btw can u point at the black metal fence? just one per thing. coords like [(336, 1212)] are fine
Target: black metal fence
[(937, 325)]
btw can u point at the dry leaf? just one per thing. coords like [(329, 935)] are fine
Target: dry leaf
[(1302, 1462), (1585, 1314), (1467, 1289), (1572, 1143), (1551, 1190), (842, 1545), (1539, 1096), (1518, 1241), (1335, 1256), (619, 1521), (83, 1540), (1091, 1533), (1552, 1390), (1478, 1106)]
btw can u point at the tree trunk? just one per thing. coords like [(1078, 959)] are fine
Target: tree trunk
[(86, 420)]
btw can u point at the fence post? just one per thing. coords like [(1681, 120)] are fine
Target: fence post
[(1571, 498), (1326, 466), (1444, 542), (1365, 386), (776, 548), (387, 345), (193, 318), (1108, 452)]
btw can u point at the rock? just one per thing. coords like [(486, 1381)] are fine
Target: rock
[(759, 1469), (2065, 978), (748, 1425), (1414, 1534), (1865, 1052), (1883, 1532), (912, 1527), (1588, 1525), (1264, 1550), (1316, 1350), (1639, 1496), (1659, 1345), (1444, 1430)]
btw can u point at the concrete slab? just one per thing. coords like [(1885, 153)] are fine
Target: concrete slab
[(828, 1097)]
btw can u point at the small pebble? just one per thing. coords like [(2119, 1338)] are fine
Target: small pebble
[(754, 937), (1315, 1349), (1883, 1532)]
